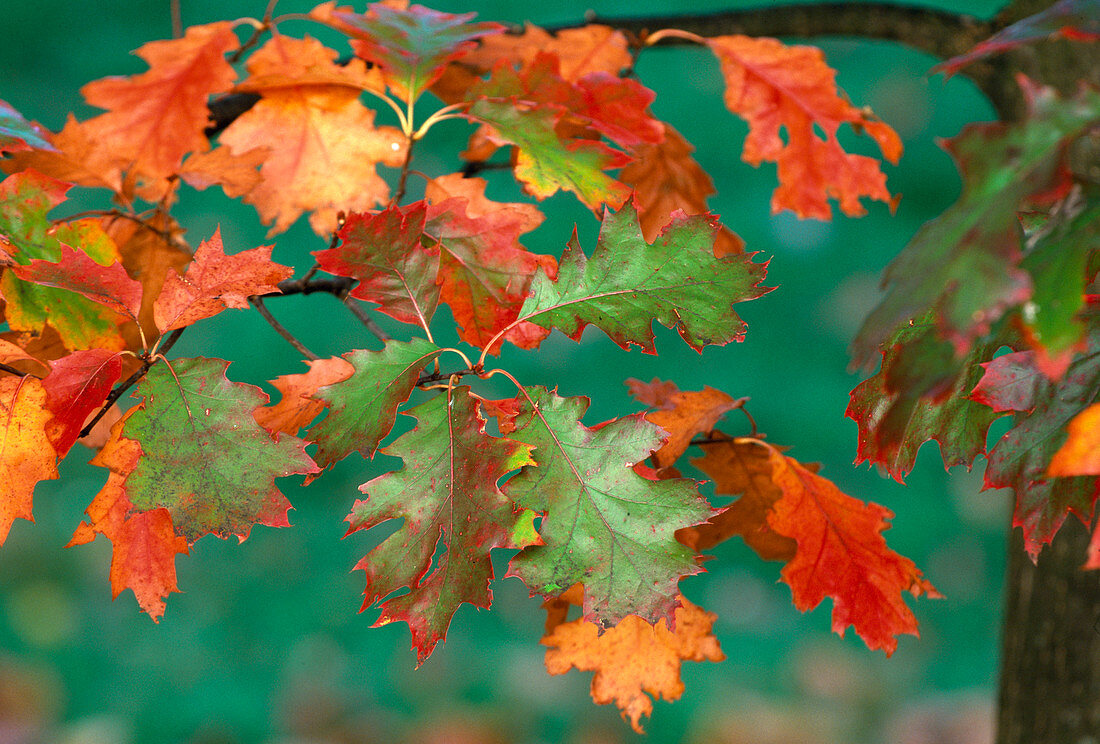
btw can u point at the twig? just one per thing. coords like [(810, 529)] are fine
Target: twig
[(177, 18), (403, 181), (365, 318), (14, 371), (426, 379), (339, 286), (258, 302), (132, 380)]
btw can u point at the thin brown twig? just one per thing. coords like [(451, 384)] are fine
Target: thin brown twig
[(258, 302), (364, 318), (14, 371), (177, 18), (403, 181)]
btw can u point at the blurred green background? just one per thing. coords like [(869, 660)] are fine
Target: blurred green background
[(265, 645)]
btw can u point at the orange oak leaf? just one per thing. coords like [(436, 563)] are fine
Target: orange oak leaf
[(632, 658), (841, 554), (484, 272), (236, 174), (683, 415), (76, 386), (214, 281), (773, 86), (26, 455), (156, 118), (297, 408), (144, 544), (740, 468), (665, 178), (75, 157), (653, 393), (323, 143), (1080, 454)]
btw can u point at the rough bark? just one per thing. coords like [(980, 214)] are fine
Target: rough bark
[(1050, 671)]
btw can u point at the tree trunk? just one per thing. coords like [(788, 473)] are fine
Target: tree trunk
[(1050, 670)]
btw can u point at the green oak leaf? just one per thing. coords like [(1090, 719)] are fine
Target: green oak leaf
[(363, 407), (603, 524), (454, 512), (204, 457), (628, 283), (965, 264), (920, 394)]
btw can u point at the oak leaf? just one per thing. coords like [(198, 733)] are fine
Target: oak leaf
[(156, 118), (204, 457), (683, 415), (323, 143), (299, 405), (841, 554), (17, 134), (215, 281), (26, 454), (448, 496), (603, 525), (76, 387), (775, 86), (628, 283), (144, 543), (634, 657)]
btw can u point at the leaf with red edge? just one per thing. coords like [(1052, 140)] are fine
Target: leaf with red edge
[(964, 266), (1077, 20), (73, 157), (387, 256), (412, 46), (922, 393), (1020, 460), (628, 283), (75, 271), (18, 134), (683, 415), (26, 454), (603, 524), (155, 118), (144, 544), (741, 467), (363, 407), (841, 554), (547, 159), (25, 202), (299, 404), (77, 386), (775, 86), (1011, 382), (214, 281), (322, 143), (484, 272), (633, 658), (448, 496), (204, 457)]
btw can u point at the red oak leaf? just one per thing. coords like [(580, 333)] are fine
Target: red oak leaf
[(144, 543), (76, 386), (775, 86), (214, 281)]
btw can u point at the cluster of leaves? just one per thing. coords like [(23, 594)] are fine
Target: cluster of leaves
[(91, 299)]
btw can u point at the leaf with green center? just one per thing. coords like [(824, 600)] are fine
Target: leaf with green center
[(965, 264), (921, 394), (454, 513), (204, 457), (17, 134), (384, 253), (26, 199), (1021, 458), (628, 283), (604, 525), (1058, 268), (363, 407), (412, 46), (75, 271)]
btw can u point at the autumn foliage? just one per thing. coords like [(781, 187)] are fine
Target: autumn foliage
[(597, 517)]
